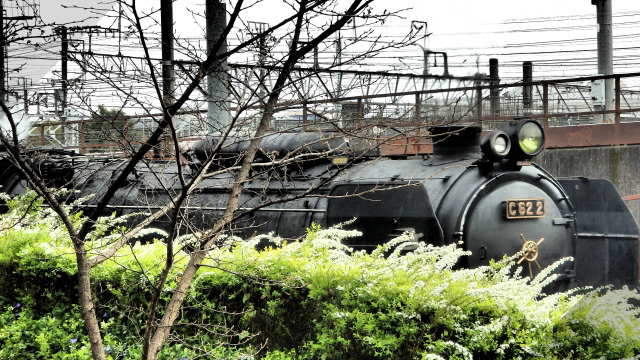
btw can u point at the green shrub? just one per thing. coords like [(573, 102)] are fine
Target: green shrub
[(310, 299)]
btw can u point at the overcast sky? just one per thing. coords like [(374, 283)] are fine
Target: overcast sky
[(558, 35)]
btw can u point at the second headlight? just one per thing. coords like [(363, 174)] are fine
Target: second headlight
[(530, 137), (496, 144)]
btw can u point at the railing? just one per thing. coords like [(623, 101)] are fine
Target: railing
[(564, 106)]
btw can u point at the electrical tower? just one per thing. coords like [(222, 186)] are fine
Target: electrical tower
[(26, 11)]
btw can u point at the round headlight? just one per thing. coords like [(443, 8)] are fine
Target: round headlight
[(531, 138), (502, 144), (496, 144)]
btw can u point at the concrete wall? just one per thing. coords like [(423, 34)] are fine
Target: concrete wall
[(619, 164)]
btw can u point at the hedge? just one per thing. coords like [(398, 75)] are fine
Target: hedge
[(307, 299)]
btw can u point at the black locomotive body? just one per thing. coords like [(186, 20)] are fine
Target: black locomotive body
[(491, 203)]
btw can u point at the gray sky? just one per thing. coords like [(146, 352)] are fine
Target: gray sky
[(557, 35), (53, 12)]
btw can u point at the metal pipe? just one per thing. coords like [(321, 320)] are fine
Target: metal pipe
[(605, 51), (167, 51), (617, 100), (494, 80), (545, 106), (198, 208), (219, 116), (527, 90), (166, 19)]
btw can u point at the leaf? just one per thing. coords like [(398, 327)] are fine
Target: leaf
[(246, 297)]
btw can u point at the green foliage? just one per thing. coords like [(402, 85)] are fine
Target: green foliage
[(315, 298), (108, 126), (106, 113), (58, 335)]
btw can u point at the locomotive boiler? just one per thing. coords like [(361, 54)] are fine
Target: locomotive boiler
[(483, 192)]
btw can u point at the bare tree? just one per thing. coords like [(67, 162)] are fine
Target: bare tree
[(237, 152)]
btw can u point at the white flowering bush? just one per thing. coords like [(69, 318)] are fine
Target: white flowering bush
[(596, 308), (320, 299), (309, 298)]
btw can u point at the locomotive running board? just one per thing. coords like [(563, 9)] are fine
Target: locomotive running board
[(607, 235)]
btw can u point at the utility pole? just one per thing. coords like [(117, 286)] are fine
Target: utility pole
[(339, 62), (3, 89), (21, 120), (61, 96), (605, 55), (416, 27), (65, 57), (3, 47), (316, 61), (166, 24), (477, 103), (219, 116)]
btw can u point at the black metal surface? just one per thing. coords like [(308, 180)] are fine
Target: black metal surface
[(473, 211), (455, 141), (385, 211), (607, 248), (447, 198), (282, 143)]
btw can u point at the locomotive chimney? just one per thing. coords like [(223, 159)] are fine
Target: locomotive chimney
[(459, 141)]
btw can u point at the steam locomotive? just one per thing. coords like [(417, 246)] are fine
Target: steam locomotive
[(483, 192)]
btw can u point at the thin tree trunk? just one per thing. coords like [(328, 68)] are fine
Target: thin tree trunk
[(86, 303), (178, 296), (84, 269), (177, 299)]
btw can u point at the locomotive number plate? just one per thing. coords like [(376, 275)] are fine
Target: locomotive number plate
[(525, 208)]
